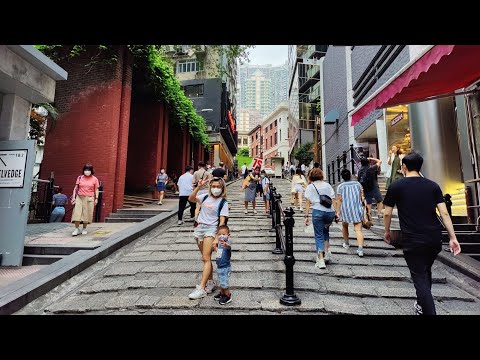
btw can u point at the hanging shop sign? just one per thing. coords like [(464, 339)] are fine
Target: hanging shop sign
[(396, 119), (231, 122)]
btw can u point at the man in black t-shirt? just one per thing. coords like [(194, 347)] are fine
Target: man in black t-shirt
[(220, 171), (417, 199)]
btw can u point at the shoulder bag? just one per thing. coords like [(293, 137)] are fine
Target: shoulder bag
[(325, 200)]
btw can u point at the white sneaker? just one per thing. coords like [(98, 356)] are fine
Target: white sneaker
[(255, 212), (76, 232), (211, 284), (301, 210), (320, 264), (360, 253), (328, 257), (246, 211), (159, 203), (346, 245), (176, 193), (198, 293), (180, 222), (84, 232)]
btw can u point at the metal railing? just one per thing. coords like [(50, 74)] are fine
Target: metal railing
[(284, 243), (342, 163), (40, 205)]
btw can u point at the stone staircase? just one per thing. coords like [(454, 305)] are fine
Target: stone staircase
[(134, 208)]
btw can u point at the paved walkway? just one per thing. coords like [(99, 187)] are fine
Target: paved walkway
[(60, 235), (155, 274)]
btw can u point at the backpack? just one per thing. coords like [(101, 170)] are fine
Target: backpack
[(365, 178), (220, 207)]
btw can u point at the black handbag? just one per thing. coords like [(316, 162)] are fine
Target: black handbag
[(325, 200)]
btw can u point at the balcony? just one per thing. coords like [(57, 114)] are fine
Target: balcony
[(315, 51), (314, 92)]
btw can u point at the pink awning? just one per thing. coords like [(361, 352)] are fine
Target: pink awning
[(441, 70)]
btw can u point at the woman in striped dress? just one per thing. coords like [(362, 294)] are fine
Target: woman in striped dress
[(350, 208)]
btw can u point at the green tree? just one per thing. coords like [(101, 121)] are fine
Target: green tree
[(304, 154), (244, 151)]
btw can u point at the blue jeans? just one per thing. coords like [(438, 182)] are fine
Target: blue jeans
[(321, 222), (223, 276), (57, 214)]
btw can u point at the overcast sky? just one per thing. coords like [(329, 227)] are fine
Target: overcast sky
[(268, 54)]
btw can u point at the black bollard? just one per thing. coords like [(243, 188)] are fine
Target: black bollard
[(289, 298), (278, 225), (272, 207)]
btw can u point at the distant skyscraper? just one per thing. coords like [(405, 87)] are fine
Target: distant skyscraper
[(262, 87)]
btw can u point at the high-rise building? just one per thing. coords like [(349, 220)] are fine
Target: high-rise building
[(247, 119), (303, 92), (213, 94), (262, 87)]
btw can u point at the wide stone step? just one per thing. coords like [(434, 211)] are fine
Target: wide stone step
[(44, 249), (130, 215), (142, 211), (35, 259), (123, 220)]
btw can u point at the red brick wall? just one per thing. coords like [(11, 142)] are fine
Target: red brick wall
[(93, 127), (144, 149), (177, 150), (255, 142)]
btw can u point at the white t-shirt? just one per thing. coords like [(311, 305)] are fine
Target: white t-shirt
[(244, 167), (209, 210), (265, 182), (185, 186), (323, 188)]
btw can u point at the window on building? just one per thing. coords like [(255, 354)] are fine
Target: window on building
[(271, 141), (271, 126), (275, 123), (192, 91), (275, 139), (266, 143), (188, 65), (280, 134)]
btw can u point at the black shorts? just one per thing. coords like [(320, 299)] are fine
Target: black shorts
[(373, 194)]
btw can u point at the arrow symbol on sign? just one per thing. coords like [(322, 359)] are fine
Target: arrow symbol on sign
[(3, 162)]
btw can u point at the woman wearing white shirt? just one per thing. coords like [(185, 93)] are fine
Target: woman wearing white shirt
[(322, 216), (299, 183)]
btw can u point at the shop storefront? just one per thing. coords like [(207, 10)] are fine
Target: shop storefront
[(438, 122), (398, 128)]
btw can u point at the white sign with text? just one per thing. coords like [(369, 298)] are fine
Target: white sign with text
[(12, 168)]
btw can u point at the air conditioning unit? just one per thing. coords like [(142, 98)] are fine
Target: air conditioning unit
[(169, 49), (209, 128), (200, 48)]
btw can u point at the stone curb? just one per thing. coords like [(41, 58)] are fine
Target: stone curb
[(18, 294), (461, 263)]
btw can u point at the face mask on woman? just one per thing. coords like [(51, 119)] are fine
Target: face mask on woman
[(262, 176), (87, 173), (216, 191), (162, 171)]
